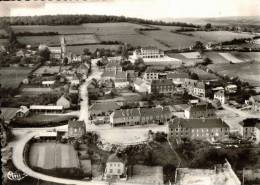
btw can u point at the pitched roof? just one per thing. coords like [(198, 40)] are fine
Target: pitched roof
[(250, 122), (113, 64), (108, 74), (162, 82), (256, 98), (113, 158), (126, 112), (8, 113), (104, 106), (46, 107), (200, 85), (121, 74), (200, 107), (177, 75), (198, 123), (76, 124)]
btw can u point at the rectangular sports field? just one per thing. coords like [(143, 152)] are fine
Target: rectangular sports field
[(53, 155)]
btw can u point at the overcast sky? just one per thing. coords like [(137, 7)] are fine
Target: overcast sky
[(149, 9)]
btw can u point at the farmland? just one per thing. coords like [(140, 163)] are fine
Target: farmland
[(247, 71), (219, 36), (94, 33), (52, 155), (13, 76), (92, 47)]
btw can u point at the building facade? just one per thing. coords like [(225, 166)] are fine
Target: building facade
[(250, 129), (148, 53), (76, 129), (139, 116), (220, 95), (115, 167), (201, 129), (200, 111), (163, 86)]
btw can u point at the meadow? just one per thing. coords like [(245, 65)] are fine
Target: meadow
[(219, 36), (53, 155), (246, 71), (94, 33), (13, 76)]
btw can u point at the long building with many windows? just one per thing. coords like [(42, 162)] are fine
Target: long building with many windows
[(139, 116), (202, 129)]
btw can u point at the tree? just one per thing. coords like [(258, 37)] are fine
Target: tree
[(194, 76), (86, 51), (45, 53), (199, 46), (208, 26), (65, 61), (139, 65)]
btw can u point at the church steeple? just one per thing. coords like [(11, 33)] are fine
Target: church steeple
[(63, 46)]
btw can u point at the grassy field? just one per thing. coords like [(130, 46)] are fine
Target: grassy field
[(13, 76), (247, 56), (124, 32), (216, 58), (203, 75), (231, 58), (219, 36), (246, 71), (52, 155)]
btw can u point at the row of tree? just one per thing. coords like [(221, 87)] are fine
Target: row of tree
[(79, 19)]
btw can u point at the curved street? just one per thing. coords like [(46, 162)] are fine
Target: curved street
[(18, 160)]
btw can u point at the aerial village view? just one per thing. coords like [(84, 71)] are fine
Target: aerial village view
[(127, 99)]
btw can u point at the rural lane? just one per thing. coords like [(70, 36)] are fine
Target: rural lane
[(20, 163)]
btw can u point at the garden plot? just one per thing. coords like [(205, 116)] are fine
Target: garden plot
[(231, 58), (52, 155)]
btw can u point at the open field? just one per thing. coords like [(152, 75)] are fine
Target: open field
[(62, 29), (52, 155), (219, 36), (247, 56), (203, 75), (246, 71), (13, 76), (173, 40), (147, 174), (229, 57), (125, 32), (92, 47), (216, 58)]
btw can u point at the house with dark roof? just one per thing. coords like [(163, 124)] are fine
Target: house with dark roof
[(163, 86), (76, 129), (125, 117), (151, 74), (200, 111), (255, 102), (199, 89), (115, 167), (250, 129), (83, 70), (210, 129)]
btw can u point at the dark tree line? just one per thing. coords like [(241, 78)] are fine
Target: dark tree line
[(79, 19)]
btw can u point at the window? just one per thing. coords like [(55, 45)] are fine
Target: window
[(118, 171), (111, 171)]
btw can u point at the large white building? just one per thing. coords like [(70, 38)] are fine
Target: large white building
[(153, 56), (148, 52)]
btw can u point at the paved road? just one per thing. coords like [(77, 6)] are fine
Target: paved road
[(95, 73), (18, 160)]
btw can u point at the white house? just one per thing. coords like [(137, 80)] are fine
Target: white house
[(48, 83), (220, 95), (231, 88), (115, 167), (120, 84), (64, 102)]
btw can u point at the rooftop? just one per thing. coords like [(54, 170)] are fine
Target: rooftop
[(113, 158), (198, 123), (76, 124), (200, 107), (162, 82), (45, 107), (104, 106), (250, 122), (177, 75), (8, 113)]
